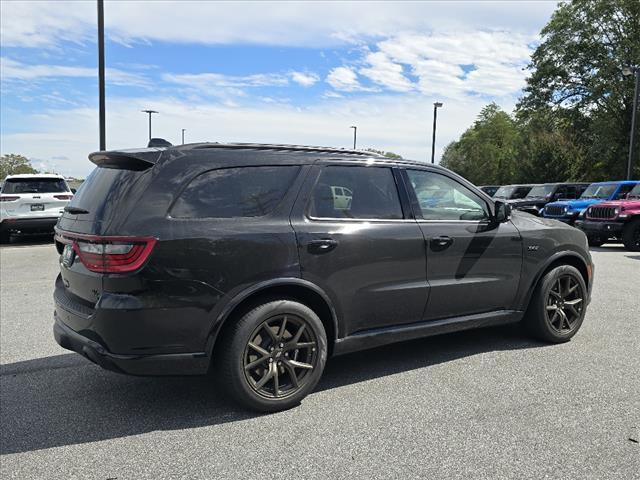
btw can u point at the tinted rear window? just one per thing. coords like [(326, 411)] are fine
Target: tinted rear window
[(34, 185), (235, 192), (355, 192)]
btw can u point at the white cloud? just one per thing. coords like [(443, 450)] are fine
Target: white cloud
[(383, 71), (207, 81), (299, 24), (396, 123), (14, 70), (344, 79), (304, 79), (446, 64)]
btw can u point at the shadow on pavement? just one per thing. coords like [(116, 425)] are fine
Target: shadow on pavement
[(66, 400), (25, 240)]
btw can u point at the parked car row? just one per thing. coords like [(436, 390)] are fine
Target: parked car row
[(605, 211)]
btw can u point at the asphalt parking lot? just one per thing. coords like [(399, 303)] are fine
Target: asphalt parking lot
[(482, 404)]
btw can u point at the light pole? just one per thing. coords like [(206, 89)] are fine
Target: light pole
[(355, 130), (150, 112), (101, 111), (183, 130), (636, 72), (436, 105)]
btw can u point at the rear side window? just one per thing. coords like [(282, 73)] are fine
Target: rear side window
[(355, 193), (34, 185), (235, 192)]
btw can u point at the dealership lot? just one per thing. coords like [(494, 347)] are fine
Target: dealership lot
[(482, 404)]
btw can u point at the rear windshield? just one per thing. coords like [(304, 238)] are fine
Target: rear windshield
[(34, 185), (104, 193)]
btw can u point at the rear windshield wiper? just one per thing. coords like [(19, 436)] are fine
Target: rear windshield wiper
[(76, 210)]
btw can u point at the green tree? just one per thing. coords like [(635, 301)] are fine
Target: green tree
[(13, 164), (488, 151), (576, 78), (384, 154)]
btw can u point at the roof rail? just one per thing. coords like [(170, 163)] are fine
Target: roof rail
[(287, 147)]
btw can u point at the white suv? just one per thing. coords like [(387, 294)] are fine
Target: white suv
[(31, 203)]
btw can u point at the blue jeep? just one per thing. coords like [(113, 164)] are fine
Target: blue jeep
[(568, 210)]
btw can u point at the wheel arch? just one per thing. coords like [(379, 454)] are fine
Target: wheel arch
[(560, 258), (296, 289)]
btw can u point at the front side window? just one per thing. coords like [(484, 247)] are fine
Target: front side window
[(235, 192), (441, 198), (355, 193)]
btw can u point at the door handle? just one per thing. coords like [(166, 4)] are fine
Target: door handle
[(322, 245), (441, 243)]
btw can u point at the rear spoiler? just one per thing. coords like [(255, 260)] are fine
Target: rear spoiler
[(137, 160)]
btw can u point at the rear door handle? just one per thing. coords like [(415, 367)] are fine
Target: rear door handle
[(441, 243), (322, 245)]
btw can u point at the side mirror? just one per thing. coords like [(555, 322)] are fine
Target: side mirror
[(73, 190), (502, 211)]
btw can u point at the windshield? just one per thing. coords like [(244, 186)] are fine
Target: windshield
[(504, 192), (600, 191), (34, 185), (635, 192), (541, 191)]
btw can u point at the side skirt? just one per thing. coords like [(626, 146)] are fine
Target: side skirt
[(383, 336)]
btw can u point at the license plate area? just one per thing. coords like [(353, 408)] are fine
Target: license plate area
[(37, 207)]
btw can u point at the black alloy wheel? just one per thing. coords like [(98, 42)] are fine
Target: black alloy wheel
[(558, 305), (272, 356), (564, 305), (280, 356)]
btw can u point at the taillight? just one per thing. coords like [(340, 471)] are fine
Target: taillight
[(113, 254), (63, 197), (8, 198)]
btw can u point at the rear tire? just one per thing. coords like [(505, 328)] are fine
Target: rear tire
[(5, 237), (595, 241), (558, 305), (261, 367), (631, 235)]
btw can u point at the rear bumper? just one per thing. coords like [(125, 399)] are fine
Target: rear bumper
[(600, 228), (167, 364), (27, 224)]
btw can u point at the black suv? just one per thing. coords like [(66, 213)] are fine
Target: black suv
[(540, 195), (257, 262)]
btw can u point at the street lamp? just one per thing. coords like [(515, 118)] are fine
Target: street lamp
[(355, 130), (183, 130), (436, 105), (150, 112), (627, 71), (101, 111)]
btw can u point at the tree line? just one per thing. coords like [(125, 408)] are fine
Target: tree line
[(573, 120)]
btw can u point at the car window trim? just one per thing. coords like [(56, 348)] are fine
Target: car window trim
[(392, 168)]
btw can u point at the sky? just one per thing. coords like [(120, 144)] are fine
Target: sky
[(271, 72)]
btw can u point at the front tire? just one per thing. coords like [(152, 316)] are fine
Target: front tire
[(558, 305), (274, 355), (631, 235), (5, 237)]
